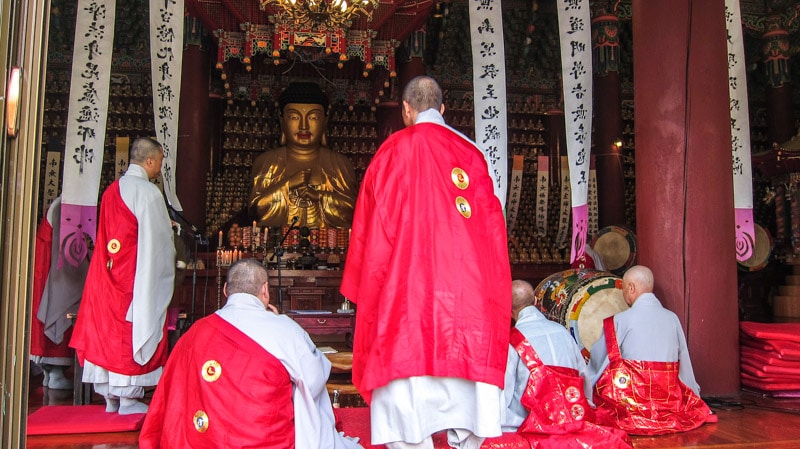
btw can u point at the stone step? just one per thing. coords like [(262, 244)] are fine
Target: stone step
[(786, 306)]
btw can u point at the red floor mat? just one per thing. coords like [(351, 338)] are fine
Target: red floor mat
[(71, 419)]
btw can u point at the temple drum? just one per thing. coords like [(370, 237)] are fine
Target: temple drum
[(762, 250), (617, 246), (581, 300)]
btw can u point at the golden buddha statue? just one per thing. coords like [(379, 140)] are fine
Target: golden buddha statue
[(303, 177)]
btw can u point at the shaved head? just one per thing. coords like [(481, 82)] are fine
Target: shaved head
[(521, 295)]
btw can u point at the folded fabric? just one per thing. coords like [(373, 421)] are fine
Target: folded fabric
[(771, 331), (785, 349), (767, 358)]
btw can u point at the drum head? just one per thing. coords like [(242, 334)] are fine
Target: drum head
[(593, 301), (762, 249), (552, 295), (617, 246)]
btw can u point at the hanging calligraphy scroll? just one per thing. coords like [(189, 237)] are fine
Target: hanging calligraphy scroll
[(740, 134), (166, 62), (515, 192), (564, 204), (593, 215), (52, 178), (576, 73), (121, 158), (86, 126), (542, 195), (489, 84)]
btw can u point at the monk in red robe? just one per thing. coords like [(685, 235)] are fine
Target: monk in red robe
[(120, 333), (56, 291), (428, 269)]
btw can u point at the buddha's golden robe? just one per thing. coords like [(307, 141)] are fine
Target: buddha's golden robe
[(330, 174)]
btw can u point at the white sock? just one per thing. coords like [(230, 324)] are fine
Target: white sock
[(130, 406), (112, 405), (56, 379)]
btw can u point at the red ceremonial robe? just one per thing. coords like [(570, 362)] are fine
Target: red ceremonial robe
[(220, 389), (644, 398), (40, 344), (428, 264), (560, 416), (108, 293)]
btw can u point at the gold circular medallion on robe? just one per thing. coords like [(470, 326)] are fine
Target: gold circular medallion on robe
[(200, 421), (113, 246), (463, 206), (211, 371), (459, 178), (621, 379)]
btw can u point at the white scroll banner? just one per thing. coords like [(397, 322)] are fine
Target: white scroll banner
[(593, 213), (166, 61), (489, 84), (574, 25), (564, 203), (86, 126), (542, 194), (740, 134), (515, 192)]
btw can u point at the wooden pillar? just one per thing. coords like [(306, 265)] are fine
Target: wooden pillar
[(194, 138), (608, 121), (684, 185), (780, 117)]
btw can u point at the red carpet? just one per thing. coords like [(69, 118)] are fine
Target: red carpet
[(70, 419)]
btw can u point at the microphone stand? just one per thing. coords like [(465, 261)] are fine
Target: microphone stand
[(277, 256), (198, 239)]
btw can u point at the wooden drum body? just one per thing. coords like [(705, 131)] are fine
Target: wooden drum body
[(581, 300)]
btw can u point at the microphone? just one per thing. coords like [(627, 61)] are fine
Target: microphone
[(294, 219)]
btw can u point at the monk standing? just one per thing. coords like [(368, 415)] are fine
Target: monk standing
[(428, 268)]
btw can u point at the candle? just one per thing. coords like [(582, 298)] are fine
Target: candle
[(220, 239)]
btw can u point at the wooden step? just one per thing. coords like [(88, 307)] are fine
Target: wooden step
[(786, 306), (792, 261), (793, 279), (789, 290)]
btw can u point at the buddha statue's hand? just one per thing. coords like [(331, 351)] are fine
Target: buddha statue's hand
[(308, 192), (299, 179)]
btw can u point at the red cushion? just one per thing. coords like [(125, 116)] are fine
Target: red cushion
[(69, 419)]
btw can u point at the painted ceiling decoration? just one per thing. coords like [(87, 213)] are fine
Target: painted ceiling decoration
[(246, 29)]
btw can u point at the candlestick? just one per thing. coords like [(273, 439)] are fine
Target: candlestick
[(220, 239)]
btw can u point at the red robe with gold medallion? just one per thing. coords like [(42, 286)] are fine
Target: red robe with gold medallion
[(428, 264)]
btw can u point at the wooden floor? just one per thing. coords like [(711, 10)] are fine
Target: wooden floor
[(748, 421)]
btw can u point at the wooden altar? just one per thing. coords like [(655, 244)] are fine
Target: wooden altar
[(201, 294)]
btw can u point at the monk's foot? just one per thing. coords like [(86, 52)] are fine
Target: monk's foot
[(57, 381), (112, 405), (131, 406)]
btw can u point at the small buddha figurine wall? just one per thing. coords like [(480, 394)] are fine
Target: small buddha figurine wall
[(303, 177)]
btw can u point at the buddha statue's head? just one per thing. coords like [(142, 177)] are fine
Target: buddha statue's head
[(303, 107)]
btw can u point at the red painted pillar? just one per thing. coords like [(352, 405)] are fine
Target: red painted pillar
[(608, 120), (684, 185), (194, 138), (780, 126)]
